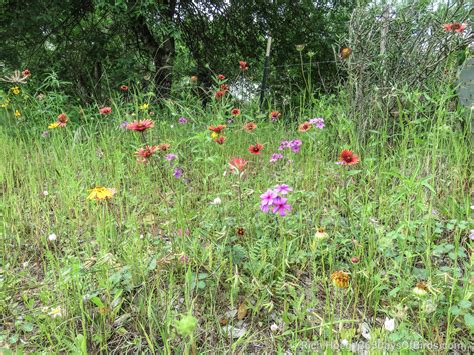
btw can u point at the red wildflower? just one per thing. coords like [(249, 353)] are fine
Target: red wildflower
[(448, 27), (235, 112), (249, 127), (256, 149), (243, 65), (220, 140), (219, 94), (348, 157), (105, 110), (458, 27), (62, 119), (221, 77), (217, 129), (304, 127), (141, 125), (237, 164), (224, 87), (145, 153), (124, 87), (26, 73), (163, 147), (274, 115)]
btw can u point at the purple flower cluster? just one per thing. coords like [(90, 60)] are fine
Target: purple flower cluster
[(273, 200), (182, 120), (317, 122), (275, 157), (294, 145)]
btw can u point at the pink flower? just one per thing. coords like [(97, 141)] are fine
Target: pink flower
[(280, 206), (105, 110)]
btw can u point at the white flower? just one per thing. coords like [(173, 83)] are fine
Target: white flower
[(45, 193), (389, 324), (216, 201), (52, 237), (55, 312), (344, 342), (274, 327)]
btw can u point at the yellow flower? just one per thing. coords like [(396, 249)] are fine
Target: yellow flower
[(15, 90), (17, 113), (53, 125), (144, 107), (340, 279), (101, 193), (214, 135)]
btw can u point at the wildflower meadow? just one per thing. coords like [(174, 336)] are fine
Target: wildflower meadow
[(208, 221)]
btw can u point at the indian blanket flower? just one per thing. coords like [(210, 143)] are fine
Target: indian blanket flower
[(178, 172), (163, 147), (235, 112), (182, 120), (100, 193), (219, 94), (221, 77), (240, 231), (280, 206), (224, 87), (26, 73), (143, 154), (62, 119), (237, 165), (123, 87), (250, 126), (220, 140), (454, 27), (347, 157), (275, 157), (282, 189), (243, 65), (256, 149), (274, 115), (305, 126), (318, 122), (217, 129), (105, 110), (340, 279), (140, 125)]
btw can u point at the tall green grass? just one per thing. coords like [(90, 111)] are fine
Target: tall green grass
[(125, 273)]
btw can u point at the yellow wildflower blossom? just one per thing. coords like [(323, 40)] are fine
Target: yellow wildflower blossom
[(101, 193)]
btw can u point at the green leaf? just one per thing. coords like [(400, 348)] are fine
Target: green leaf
[(469, 320)]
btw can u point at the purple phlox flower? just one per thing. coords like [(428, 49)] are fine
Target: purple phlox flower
[(318, 122), (268, 197), (340, 162), (123, 125), (182, 120), (296, 143), (280, 206), (283, 145), (170, 157), (471, 234), (178, 172), (282, 189), (295, 148), (275, 157)]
